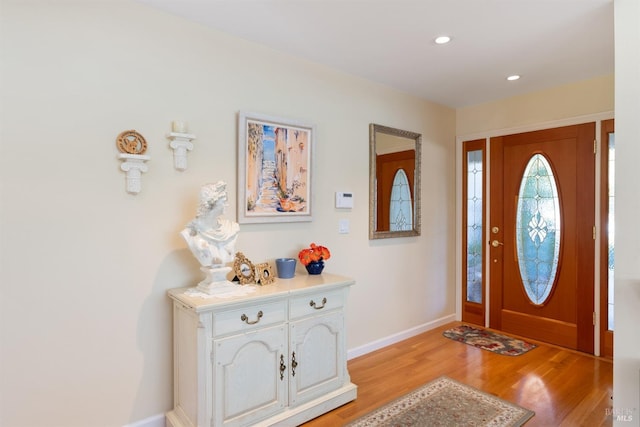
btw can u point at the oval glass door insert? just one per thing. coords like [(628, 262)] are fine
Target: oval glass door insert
[(401, 212), (538, 230)]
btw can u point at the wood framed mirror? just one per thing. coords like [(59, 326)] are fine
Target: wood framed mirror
[(394, 182)]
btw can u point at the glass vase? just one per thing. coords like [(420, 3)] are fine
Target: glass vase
[(315, 267)]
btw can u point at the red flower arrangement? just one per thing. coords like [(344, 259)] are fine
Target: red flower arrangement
[(313, 253)]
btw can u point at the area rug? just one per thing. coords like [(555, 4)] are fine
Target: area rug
[(488, 340), (446, 402)]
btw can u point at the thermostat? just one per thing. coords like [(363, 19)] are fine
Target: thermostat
[(344, 200)]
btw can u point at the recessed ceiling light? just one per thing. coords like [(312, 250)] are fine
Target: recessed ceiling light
[(443, 39), (513, 77)]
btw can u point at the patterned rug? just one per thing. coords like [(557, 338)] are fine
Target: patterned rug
[(488, 340), (446, 402)]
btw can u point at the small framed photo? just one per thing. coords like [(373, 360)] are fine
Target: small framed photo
[(244, 269), (264, 274), (275, 171)]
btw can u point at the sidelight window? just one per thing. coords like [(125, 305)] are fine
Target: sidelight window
[(474, 225), (610, 227)]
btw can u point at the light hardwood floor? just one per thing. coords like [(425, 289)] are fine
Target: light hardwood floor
[(563, 387)]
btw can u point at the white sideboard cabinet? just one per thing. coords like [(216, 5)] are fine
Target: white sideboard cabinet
[(274, 357)]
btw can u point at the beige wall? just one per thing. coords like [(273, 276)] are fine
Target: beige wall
[(84, 266), (85, 327), (573, 100)]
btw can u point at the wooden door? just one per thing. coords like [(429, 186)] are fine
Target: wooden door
[(387, 166), (542, 235)]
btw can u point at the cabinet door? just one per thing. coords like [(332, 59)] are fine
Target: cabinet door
[(248, 385), (317, 356)]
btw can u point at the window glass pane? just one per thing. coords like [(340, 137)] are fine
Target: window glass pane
[(611, 226), (400, 209), (538, 229), (474, 226)]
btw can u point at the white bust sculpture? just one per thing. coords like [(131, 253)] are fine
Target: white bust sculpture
[(212, 239)]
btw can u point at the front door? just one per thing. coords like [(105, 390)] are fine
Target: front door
[(387, 168), (541, 229)]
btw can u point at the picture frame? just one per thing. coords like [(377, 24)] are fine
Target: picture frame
[(264, 274), (244, 269), (275, 169)]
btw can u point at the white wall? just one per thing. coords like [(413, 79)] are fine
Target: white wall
[(84, 266), (626, 367)]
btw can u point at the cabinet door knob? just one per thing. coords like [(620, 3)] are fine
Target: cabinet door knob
[(294, 364), (246, 320), (312, 303), (283, 367)]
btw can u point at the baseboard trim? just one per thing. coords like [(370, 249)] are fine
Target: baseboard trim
[(400, 336), (154, 421)]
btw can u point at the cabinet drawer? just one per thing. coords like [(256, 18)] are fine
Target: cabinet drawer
[(249, 317), (316, 303)]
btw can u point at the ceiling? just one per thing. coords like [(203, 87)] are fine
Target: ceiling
[(547, 42)]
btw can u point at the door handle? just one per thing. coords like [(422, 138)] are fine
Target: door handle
[(495, 243)]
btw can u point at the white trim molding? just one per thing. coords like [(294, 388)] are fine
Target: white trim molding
[(154, 421), (400, 336)]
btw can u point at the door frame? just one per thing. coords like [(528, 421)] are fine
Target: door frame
[(597, 118)]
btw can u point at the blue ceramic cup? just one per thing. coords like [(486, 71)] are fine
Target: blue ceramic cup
[(286, 267)]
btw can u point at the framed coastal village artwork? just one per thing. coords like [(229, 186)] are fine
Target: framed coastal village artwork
[(274, 169)]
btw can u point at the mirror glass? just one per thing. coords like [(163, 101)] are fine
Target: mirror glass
[(394, 182)]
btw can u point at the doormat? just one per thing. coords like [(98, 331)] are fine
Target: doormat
[(446, 402), (488, 340)]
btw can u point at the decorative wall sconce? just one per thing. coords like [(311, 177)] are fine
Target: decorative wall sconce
[(132, 146), (180, 143)]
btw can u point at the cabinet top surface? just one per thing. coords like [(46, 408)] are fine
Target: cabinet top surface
[(299, 284)]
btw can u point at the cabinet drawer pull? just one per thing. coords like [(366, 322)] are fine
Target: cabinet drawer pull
[(312, 303), (246, 320), (282, 367)]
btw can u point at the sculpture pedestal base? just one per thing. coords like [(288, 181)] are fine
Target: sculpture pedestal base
[(216, 282)]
